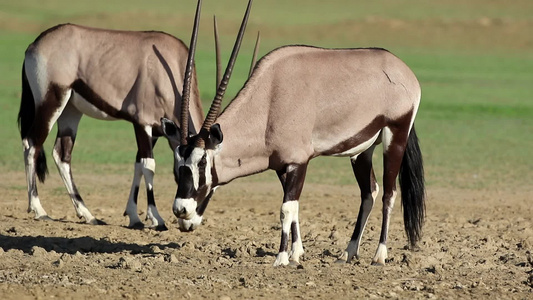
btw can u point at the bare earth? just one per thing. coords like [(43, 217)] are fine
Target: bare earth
[(476, 244)]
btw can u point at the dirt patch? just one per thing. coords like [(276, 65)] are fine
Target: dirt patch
[(476, 244)]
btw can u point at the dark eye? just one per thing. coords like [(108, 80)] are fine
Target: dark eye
[(202, 161)]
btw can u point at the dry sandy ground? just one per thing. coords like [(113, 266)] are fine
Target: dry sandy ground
[(476, 244)]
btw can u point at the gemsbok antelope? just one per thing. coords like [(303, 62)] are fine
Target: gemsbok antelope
[(72, 70), (299, 103)]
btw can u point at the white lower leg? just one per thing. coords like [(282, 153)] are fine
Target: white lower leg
[(64, 170), (154, 217), (381, 253), (34, 204), (148, 170), (36, 207), (297, 248), (131, 206), (289, 214)]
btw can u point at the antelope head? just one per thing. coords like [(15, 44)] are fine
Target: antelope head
[(194, 159)]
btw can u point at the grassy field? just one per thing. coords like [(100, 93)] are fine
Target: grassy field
[(474, 60)]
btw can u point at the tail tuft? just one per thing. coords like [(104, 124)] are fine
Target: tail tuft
[(412, 185), (41, 168)]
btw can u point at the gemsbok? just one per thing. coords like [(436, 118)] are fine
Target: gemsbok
[(299, 103), (72, 70)]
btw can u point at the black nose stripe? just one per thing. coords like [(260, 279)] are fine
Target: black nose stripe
[(186, 183)]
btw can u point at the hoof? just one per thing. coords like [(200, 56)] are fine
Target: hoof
[(161, 227), (295, 264), (377, 264), (340, 261), (44, 218), (96, 222), (137, 226)]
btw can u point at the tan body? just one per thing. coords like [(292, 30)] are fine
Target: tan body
[(319, 102), (302, 102), (71, 70)]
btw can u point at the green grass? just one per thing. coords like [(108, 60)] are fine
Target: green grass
[(474, 60)]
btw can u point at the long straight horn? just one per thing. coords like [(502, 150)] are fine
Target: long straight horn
[(254, 56), (215, 106), (217, 52), (186, 94)]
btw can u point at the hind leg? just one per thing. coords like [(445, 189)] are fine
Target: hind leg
[(46, 114), (362, 169), (32, 158), (393, 148), (67, 127)]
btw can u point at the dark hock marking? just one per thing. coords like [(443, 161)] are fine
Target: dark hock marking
[(362, 136), (294, 231), (80, 87), (284, 241), (239, 162), (150, 196), (77, 196), (135, 195)]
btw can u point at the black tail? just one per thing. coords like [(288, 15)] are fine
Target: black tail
[(25, 122), (27, 107), (413, 190)]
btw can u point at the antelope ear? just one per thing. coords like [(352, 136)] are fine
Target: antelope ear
[(170, 129), (215, 135)]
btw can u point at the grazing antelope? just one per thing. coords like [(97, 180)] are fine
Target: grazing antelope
[(72, 70), (299, 103)]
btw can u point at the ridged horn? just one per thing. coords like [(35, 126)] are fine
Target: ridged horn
[(214, 110), (254, 56), (217, 53), (186, 94)]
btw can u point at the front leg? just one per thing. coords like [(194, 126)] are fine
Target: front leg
[(131, 207), (144, 167), (152, 214), (293, 181)]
